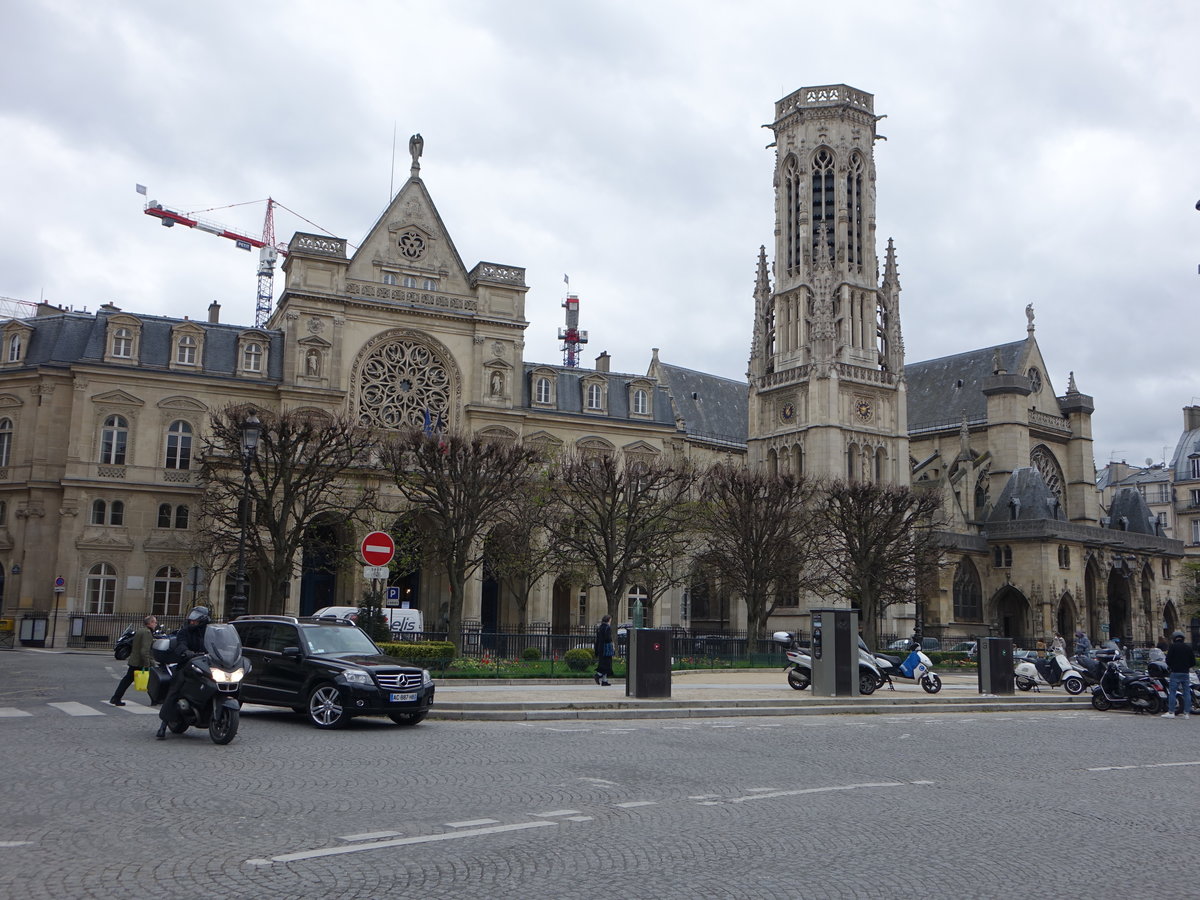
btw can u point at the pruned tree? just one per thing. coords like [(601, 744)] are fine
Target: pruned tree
[(461, 485), (307, 466), (521, 547), (617, 514), (882, 545), (759, 532)]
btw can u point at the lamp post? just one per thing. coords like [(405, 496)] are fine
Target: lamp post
[(251, 430)]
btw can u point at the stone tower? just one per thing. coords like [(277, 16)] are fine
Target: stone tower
[(826, 370)]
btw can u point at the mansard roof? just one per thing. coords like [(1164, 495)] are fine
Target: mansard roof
[(711, 407), (73, 338), (568, 394), (940, 390)]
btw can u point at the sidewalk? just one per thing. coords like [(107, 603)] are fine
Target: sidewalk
[(718, 693)]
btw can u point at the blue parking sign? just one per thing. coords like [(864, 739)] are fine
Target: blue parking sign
[(393, 597)]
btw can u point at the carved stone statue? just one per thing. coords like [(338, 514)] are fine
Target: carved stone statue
[(1029, 315), (313, 363), (416, 144), (497, 384)]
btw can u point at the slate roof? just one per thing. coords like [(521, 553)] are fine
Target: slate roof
[(712, 407), (1189, 443), (568, 395), (940, 389), (1129, 512), (1026, 496)]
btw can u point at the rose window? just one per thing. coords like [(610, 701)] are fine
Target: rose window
[(412, 245), (401, 381)]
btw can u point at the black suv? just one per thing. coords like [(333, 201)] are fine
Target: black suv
[(329, 670)]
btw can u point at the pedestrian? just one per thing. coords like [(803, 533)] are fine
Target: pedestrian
[(605, 651), (140, 657), (188, 642), (1082, 644), (1162, 644), (1058, 645), (1181, 659)]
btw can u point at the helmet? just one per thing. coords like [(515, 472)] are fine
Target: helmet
[(1177, 636), (199, 616)]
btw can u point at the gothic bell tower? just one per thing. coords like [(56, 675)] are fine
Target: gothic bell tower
[(827, 395)]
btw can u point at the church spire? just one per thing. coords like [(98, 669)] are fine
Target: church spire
[(761, 343)]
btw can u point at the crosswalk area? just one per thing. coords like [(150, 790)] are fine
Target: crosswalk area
[(75, 708)]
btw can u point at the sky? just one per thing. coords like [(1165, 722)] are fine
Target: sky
[(1037, 152)]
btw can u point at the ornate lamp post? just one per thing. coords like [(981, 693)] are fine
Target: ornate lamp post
[(251, 431)]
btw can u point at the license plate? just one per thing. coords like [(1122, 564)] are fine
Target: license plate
[(403, 698)]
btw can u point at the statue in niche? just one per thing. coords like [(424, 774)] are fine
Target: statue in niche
[(312, 363), (497, 388)]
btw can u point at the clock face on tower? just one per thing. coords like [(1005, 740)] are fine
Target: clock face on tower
[(863, 409), (787, 412)]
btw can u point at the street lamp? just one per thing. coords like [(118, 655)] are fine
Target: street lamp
[(251, 430)]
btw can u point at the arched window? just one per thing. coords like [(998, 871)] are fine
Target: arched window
[(636, 606), (252, 355), (823, 204), (181, 516), (116, 513), (185, 351), (168, 592), (101, 589), (164, 515), (793, 190), (113, 438), (6, 437), (968, 595), (542, 390), (14, 348), (179, 446), (389, 278), (99, 512), (122, 346), (641, 402), (854, 205), (594, 397)]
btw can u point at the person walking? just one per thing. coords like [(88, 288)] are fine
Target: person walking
[(1058, 645), (1082, 644), (605, 651), (1181, 659), (140, 657)]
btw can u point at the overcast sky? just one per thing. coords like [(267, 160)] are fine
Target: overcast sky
[(1041, 152)]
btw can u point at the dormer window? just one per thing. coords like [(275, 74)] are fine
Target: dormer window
[(252, 353), (641, 402), (541, 391), (252, 357), (185, 351), (122, 345), (595, 397), (124, 332), (14, 348)]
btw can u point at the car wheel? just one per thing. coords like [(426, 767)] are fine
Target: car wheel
[(124, 650), (407, 718), (931, 682), (1073, 685), (798, 679), (325, 708), (867, 682)]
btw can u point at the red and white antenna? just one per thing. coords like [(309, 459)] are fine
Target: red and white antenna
[(571, 336)]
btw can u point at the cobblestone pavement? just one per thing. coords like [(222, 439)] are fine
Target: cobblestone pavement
[(924, 805)]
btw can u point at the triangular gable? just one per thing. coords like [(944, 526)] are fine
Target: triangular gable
[(184, 403), (117, 397), (411, 213)]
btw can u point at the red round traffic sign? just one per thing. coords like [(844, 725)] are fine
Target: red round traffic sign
[(378, 548)]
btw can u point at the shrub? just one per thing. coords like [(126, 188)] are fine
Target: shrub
[(531, 653), (436, 653), (580, 659)]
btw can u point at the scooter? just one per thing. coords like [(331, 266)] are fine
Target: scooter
[(1033, 674), (211, 693), (799, 667), (1119, 689), (1160, 673), (914, 667)]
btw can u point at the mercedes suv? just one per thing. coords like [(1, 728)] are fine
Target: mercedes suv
[(328, 670)]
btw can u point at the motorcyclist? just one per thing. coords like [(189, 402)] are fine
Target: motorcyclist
[(187, 642)]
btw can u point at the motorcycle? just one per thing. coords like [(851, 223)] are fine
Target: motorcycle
[(1120, 688), (124, 644), (799, 667), (1032, 674), (1160, 673), (915, 667), (211, 693)]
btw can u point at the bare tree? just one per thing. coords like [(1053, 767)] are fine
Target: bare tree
[(304, 469), (882, 545), (521, 547), (461, 485), (759, 534), (616, 515)]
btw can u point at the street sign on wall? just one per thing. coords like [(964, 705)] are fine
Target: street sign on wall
[(378, 548)]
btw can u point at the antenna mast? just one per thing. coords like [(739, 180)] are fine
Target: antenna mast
[(571, 336)]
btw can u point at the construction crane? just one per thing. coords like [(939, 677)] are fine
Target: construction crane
[(571, 336), (12, 308), (268, 250)]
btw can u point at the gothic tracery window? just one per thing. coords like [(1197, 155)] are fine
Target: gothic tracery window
[(1043, 460), (793, 198), (968, 595), (854, 204), (823, 203), (401, 382)]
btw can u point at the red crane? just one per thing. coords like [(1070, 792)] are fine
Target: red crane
[(268, 250)]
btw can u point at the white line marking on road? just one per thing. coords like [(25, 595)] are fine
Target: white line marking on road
[(397, 842), (630, 804), (768, 725), (734, 725), (760, 790), (820, 790), (678, 727), (369, 836), (473, 823), (1166, 765), (556, 812), (138, 709), (599, 781), (15, 843), (921, 782), (11, 712), (704, 796), (71, 708), (567, 730), (579, 818)]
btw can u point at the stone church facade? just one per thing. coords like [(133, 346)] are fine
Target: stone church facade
[(101, 417)]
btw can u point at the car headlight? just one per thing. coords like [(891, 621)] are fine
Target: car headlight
[(357, 676), (427, 676), (223, 677)]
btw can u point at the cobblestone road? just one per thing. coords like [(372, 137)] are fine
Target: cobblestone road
[(926, 806)]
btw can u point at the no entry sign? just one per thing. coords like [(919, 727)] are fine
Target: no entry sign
[(378, 548)]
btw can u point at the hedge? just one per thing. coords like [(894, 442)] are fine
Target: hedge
[(434, 652)]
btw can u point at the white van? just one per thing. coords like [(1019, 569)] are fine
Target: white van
[(400, 621)]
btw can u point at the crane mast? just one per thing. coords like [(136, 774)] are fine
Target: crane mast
[(571, 336)]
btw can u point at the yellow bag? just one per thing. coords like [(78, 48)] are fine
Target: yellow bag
[(141, 679)]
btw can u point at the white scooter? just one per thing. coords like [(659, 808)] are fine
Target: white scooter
[(799, 668), (1031, 675), (916, 666)]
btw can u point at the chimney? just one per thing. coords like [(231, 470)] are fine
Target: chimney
[(1191, 418), (214, 312), (602, 361)]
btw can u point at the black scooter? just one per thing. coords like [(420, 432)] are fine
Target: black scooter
[(1160, 673), (211, 693), (1120, 689)]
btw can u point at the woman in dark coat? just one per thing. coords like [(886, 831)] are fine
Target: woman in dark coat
[(604, 651)]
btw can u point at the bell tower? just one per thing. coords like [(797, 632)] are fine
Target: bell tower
[(826, 372)]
